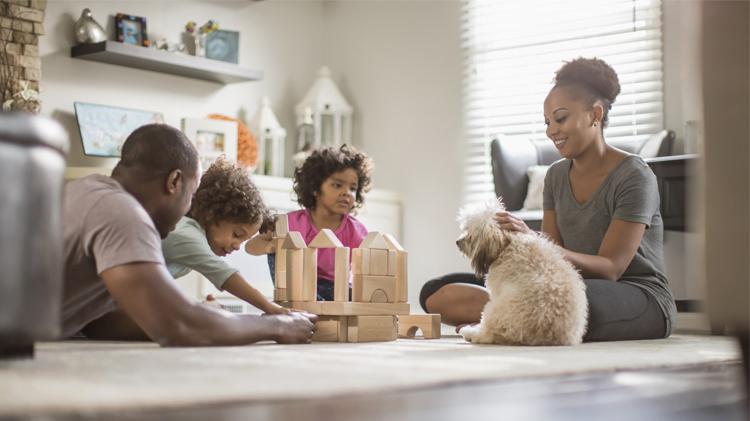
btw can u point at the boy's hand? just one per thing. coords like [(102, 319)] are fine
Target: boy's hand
[(295, 327), (260, 244)]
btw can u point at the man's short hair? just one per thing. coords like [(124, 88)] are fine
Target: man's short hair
[(155, 150)]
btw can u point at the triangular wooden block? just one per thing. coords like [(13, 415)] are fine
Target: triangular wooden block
[(325, 239), (294, 241), (392, 243), (282, 225), (374, 240)]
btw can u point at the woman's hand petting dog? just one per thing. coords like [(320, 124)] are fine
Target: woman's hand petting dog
[(510, 222)]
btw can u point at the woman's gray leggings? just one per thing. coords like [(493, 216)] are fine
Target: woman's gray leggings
[(618, 311)]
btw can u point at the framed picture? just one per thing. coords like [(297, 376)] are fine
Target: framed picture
[(212, 138), (223, 45), (104, 128), (131, 29)]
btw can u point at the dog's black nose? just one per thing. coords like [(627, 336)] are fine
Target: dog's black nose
[(458, 243)]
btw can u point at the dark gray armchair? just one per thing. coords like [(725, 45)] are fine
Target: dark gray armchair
[(511, 158)]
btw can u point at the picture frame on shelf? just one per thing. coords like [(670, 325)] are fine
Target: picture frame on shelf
[(131, 29), (212, 138), (223, 45), (104, 128)]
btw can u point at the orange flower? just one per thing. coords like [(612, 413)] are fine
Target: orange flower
[(247, 147)]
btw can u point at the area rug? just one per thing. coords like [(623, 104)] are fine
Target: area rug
[(86, 377)]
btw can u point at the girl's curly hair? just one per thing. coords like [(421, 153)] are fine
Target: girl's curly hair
[(226, 193), (322, 163)]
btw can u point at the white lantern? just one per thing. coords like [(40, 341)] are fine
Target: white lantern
[(332, 114), (271, 138)]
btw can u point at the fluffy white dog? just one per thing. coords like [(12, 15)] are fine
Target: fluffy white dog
[(536, 296)]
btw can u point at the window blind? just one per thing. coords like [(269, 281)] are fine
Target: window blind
[(512, 49)]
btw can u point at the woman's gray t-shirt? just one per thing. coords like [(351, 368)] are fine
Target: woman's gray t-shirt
[(629, 193)]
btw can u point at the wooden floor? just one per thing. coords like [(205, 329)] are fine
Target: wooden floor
[(708, 392)]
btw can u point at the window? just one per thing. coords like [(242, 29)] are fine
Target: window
[(512, 49)]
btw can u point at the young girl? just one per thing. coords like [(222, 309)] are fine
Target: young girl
[(329, 185), (601, 206), (226, 210)]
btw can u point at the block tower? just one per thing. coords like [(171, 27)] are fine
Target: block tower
[(378, 309)]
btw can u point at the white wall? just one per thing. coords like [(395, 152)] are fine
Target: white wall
[(283, 39), (399, 63)]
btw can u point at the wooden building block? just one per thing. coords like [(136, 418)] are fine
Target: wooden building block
[(357, 287), (360, 261), (331, 329), (374, 240), (378, 262), (372, 328), (392, 262), (309, 274), (402, 277), (279, 294), (333, 308), (325, 239), (293, 241), (341, 275), (279, 274), (392, 243), (282, 225), (378, 289), (429, 324), (294, 276)]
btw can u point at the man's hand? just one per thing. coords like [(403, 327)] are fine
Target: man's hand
[(295, 327)]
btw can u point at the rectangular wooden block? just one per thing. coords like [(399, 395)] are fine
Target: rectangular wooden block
[(360, 261), (331, 329), (378, 262), (282, 225), (357, 288), (333, 308), (341, 275), (402, 277), (294, 267), (378, 289), (429, 324), (310, 274), (392, 262), (279, 294), (372, 328), (279, 274)]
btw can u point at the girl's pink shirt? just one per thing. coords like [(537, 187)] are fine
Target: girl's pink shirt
[(351, 232)]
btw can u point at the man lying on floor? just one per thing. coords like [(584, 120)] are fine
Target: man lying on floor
[(116, 283)]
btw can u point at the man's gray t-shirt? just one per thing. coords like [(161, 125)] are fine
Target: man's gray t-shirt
[(103, 226), (186, 248), (629, 193)]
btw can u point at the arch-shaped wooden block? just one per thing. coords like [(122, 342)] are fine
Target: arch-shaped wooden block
[(429, 324)]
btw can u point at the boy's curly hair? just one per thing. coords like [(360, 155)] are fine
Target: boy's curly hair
[(226, 193), (322, 163)]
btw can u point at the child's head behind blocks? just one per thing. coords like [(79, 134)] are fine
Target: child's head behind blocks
[(334, 178), (228, 206)]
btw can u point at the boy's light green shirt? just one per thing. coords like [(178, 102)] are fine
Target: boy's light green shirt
[(186, 248)]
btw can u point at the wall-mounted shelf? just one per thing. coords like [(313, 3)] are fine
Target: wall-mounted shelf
[(127, 55)]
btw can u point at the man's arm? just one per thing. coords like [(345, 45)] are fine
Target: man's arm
[(150, 297)]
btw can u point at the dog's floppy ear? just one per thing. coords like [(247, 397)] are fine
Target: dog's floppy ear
[(486, 251)]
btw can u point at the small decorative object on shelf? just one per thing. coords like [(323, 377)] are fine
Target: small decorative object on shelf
[(305, 139), (223, 45), (331, 113), (88, 31), (199, 35), (271, 137), (212, 138), (131, 29), (247, 146)]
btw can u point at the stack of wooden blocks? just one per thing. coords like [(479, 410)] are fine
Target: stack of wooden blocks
[(378, 309)]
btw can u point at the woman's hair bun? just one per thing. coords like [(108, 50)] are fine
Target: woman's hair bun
[(593, 73)]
